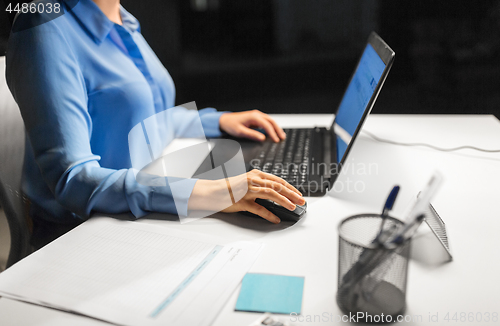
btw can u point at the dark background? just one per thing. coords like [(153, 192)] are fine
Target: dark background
[(296, 56)]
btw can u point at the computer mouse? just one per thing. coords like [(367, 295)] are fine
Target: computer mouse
[(280, 211)]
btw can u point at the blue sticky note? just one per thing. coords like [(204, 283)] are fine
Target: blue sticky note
[(277, 294)]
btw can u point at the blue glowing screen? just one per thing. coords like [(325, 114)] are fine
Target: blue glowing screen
[(356, 98)]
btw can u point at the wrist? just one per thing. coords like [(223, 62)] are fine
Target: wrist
[(206, 194), (223, 121)]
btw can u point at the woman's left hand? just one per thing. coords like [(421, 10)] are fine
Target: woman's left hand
[(240, 124)]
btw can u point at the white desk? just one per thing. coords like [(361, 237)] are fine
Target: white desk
[(468, 202)]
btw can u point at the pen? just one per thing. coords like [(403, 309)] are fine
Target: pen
[(417, 214), (408, 230), (389, 203)]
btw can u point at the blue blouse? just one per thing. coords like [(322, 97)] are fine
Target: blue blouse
[(82, 83)]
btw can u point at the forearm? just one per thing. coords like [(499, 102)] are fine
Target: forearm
[(90, 188), (207, 195)]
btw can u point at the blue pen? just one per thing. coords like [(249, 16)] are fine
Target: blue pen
[(389, 203)]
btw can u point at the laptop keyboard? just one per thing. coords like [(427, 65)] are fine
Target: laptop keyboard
[(287, 159)]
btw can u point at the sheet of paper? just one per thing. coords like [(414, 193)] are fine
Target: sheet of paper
[(132, 273), (278, 294)]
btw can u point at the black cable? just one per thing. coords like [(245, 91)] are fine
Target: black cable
[(431, 146)]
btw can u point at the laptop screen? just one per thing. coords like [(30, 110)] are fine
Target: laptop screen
[(356, 98)]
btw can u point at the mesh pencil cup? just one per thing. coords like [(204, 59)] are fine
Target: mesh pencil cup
[(371, 278)]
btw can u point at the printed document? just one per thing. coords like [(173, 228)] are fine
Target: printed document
[(132, 273)]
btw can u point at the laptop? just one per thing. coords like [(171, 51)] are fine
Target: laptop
[(311, 158)]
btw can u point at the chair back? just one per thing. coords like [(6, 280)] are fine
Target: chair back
[(12, 137)]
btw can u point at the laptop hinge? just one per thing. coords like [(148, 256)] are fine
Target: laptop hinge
[(327, 153)]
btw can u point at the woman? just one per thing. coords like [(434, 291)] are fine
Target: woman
[(82, 81)]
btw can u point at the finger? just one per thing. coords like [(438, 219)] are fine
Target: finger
[(270, 131), (277, 128), (262, 122), (280, 188), (256, 209), (272, 177), (251, 134), (268, 193)]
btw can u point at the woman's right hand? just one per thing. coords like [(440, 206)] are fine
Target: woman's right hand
[(258, 184)]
